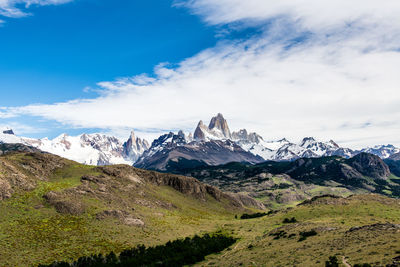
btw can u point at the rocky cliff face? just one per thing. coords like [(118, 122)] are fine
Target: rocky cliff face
[(219, 123), (134, 147), (217, 129), (243, 136), (201, 131), (370, 165), (8, 131)]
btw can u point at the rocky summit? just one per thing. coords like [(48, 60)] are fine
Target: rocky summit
[(217, 129), (213, 144), (90, 149)]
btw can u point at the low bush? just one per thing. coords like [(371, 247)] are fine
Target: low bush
[(292, 220), (252, 216), (305, 235), (332, 262)]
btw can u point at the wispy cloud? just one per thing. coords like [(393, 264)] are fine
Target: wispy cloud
[(19, 8), (310, 14), (343, 71)]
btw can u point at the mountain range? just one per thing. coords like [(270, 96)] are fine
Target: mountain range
[(90, 149), (214, 144)]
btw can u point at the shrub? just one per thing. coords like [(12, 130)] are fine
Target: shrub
[(332, 262), (305, 235), (278, 235), (292, 220), (252, 216)]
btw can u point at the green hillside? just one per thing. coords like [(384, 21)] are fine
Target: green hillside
[(52, 209), (55, 209)]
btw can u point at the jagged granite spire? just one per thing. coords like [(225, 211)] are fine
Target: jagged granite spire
[(200, 132), (134, 147), (221, 124), (217, 129)]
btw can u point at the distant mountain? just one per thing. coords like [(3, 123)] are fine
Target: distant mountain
[(215, 144), (382, 151), (90, 149), (394, 163), (287, 182), (395, 157), (211, 144), (171, 149)]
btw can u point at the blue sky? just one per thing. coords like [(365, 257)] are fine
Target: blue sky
[(59, 50), (282, 68)]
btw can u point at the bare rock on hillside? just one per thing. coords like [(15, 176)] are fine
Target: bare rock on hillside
[(64, 205), (5, 190)]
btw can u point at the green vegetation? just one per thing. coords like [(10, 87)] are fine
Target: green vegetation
[(252, 216), (176, 253), (333, 262), (292, 220), (306, 234), (60, 211)]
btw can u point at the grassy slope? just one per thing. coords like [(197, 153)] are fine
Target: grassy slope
[(32, 231), (257, 248)]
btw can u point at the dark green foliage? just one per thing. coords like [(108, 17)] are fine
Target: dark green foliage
[(362, 265), (183, 165), (292, 235), (332, 262), (176, 253), (278, 235), (254, 215), (292, 220), (306, 234), (394, 166)]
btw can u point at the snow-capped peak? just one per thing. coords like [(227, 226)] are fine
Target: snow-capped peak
[(218, 129), (383, 151), (91, 149)]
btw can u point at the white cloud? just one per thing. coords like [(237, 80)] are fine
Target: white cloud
[(340, 82), (312, 14), (17, 8)]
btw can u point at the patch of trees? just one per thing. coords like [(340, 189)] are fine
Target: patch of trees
[(257, 215), (281, 234), (332, 262), (176, 253), (306, 234), (291, 220), (252, 216)]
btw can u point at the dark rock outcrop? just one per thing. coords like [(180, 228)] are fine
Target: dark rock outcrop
[(8, 148), (9, 131), (370, 165)]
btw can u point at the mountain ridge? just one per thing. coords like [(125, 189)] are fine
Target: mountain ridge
[(100, 149)]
